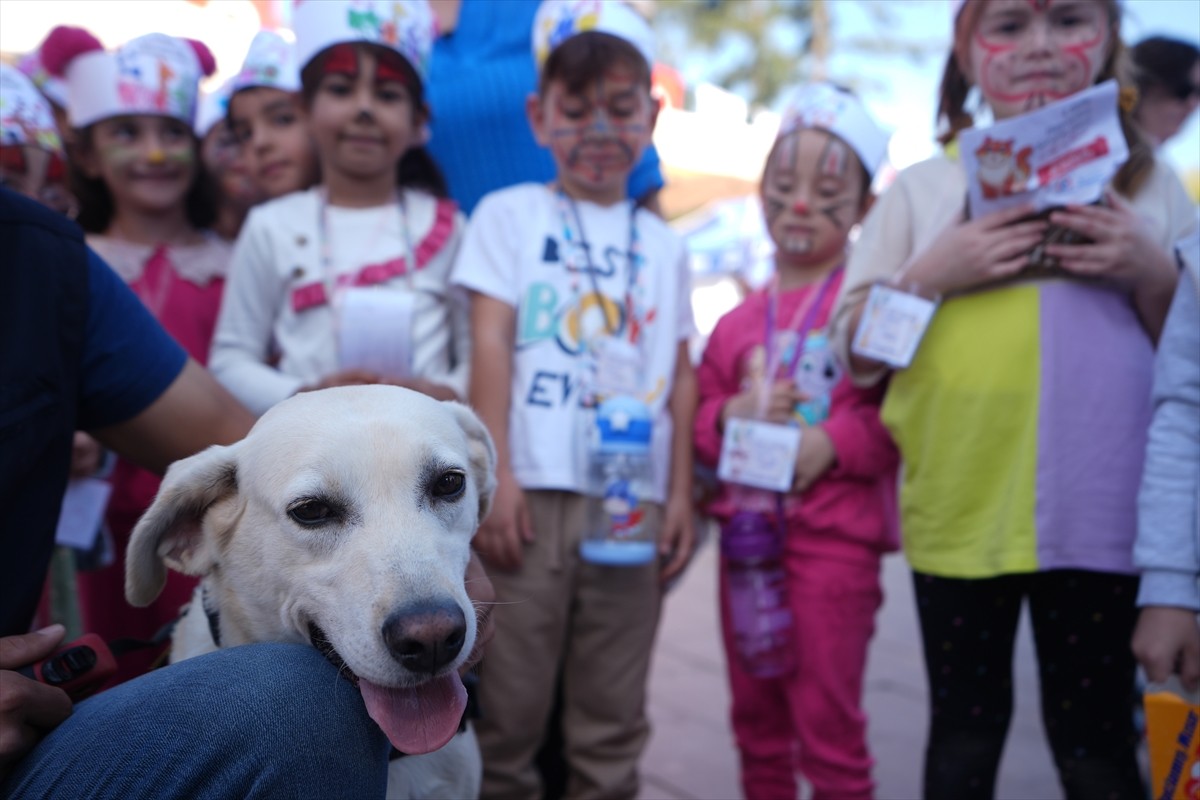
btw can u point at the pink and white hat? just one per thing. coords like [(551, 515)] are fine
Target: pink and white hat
[(270, 63), (558, 20), (823, 106), (53, 88), (152, 74), (25, 116), (406, 26)]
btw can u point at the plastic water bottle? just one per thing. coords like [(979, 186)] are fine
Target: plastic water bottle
[(617, 533), (763, 628)]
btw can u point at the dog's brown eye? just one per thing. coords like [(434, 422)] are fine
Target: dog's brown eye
[(449, 485), (311, 512)]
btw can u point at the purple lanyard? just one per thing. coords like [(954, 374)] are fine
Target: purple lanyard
[(810, 317)]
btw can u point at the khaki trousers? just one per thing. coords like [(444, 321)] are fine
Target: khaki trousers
[(598, 623)]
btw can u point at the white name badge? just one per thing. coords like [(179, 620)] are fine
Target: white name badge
[(375, 330), (618, 368), (759, 454), (893, 323)]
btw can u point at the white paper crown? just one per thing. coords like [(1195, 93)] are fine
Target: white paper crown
[(152, 74), (25, 116), (211, 109), (558, 20), (270, 62), (820, 105), (53, 88), (406, 26)]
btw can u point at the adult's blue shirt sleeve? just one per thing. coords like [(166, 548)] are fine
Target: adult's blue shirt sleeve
[(128, 359)]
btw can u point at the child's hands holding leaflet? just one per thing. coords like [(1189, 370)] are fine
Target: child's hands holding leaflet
[(1122, 249), (1167, 640), (969, 253)]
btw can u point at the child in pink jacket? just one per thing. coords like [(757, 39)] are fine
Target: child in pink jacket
[(838, 516)]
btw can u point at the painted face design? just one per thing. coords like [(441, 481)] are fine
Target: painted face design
[(148, 161), (363, 119), (1025, 54), (811, 193), (268, 125), (597, 136)]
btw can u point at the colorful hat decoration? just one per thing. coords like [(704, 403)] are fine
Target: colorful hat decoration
[(152, 74), (270, 62), (558, 20), (823, 106), (53, 88), (211, 109), (25, 116), (406, 26)]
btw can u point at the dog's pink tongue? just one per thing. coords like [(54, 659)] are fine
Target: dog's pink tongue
[(420, 719)]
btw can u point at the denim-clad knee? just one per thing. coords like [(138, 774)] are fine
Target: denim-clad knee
[(260, 720)]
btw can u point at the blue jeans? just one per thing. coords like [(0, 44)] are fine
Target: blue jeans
[(257, 721)]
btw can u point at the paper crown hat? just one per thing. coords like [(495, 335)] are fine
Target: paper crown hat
[(406, 26), (152, 74), (50, 86), (25, 116), (210, 110), (558, 20), (820, 105), (270, 63)]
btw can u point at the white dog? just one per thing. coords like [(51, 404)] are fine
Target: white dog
[(344, 520)]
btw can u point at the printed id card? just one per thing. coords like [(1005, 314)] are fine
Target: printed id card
[(375, 330), (618, 368), (759, 454), (892, 325)]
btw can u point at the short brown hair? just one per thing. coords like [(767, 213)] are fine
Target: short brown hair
[(583, 58), (953, 115)]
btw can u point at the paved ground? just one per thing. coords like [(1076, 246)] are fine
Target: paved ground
[(691, 755)]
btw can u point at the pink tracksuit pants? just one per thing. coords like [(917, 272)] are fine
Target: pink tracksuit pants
[(811, 721)]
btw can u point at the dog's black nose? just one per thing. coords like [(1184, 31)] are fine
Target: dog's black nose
[(425, 637)]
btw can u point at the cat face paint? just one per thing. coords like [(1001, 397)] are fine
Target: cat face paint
[(1025, 54), (811, 192), (597, 136), (146, 161)]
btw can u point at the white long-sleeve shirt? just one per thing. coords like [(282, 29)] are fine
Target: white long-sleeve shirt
[(277, 330)]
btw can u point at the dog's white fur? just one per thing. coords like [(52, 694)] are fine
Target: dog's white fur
[(373, 453)]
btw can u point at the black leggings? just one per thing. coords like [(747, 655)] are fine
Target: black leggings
[(1082, 623)]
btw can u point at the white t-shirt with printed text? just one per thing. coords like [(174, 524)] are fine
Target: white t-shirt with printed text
[(525, 247)]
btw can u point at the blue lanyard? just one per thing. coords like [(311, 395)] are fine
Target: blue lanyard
[(634, 252)]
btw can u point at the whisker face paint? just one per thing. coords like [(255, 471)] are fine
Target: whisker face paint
[(1027, 53), (810, 193), (598, 134)]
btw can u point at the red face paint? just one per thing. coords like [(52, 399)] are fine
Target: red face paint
[(1026, 53), (341, 60)]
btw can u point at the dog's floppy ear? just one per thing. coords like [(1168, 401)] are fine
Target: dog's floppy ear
[(483, 455), (170, 533)]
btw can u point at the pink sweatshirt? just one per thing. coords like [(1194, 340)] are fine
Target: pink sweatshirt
[(850, 512)]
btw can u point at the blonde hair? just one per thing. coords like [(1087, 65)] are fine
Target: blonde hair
[(953, 116)]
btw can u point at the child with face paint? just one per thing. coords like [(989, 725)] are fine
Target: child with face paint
[(32, 159), (378, 229), (836, 521), (566, 278), (233, 191), (1022, 418), (268, 119), (145, 209)]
